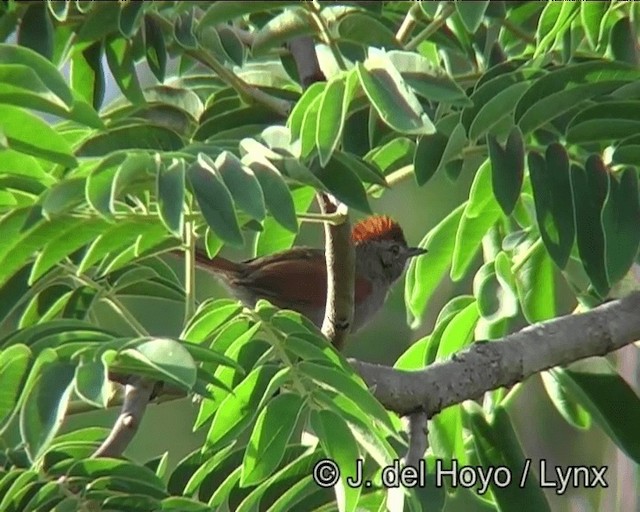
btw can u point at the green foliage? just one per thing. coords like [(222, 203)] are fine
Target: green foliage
[(536, 104)]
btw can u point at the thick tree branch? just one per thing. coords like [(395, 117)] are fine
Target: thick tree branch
[(137, 394), (490, 365)]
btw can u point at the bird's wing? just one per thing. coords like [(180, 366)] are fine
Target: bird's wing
[(299, 278)]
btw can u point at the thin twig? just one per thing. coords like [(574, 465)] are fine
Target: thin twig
[(409, 23), (432, 27), (315, 11)]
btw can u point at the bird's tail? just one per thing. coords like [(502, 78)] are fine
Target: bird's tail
[(216, 264)]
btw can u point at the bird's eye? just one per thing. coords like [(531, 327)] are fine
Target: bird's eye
[(395, 249)]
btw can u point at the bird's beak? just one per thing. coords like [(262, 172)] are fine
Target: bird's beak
[(415, 251)]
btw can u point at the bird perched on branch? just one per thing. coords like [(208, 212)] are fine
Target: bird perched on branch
[(296, 279)]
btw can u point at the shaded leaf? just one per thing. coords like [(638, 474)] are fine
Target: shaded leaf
[(214, 200)]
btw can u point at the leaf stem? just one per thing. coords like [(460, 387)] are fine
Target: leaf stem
[(432, 27), (511, 394), (314, 9), (517, 31), (111, 300), (246, 91), (409, 23), (189, 271), (526, 256), (335, 219)]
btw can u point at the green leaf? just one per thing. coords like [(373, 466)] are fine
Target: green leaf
[(396, 105), (445, 435), (497, 445), (507, 169), (459, 331), (129, 19), (117, 238), (427, 80), (566, 404), (562, 89), (47, 72), (291, 23), (183, 32), (536, 286), (338, 443), (170, 191), (480, 214), (309, 127), (554, 20), (436, 150), (214, 199), (341, 181), (609, 121), (87, 76), (147, 136), (276, 194), (593, 384), (116, 469), (45, 406), (623, 42), (65, 243), (425, 273), (36, 30), (242, 184), (351, 386), (620, 219), (552, 192), (471, 14), (155, 49), (494, 289), (363, 170), (210, 315), (58, 9), (92, 382), (166, 356), (330, 120), (501, 105), (270, 435), (239, 408), (592, 14), (121, 62), (45, 304), (29, 134), (221, 12), (590, 187), (14, 365), (297, 115), (364, 29), (274, 237)]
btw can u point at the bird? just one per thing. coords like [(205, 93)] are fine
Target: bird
[(296, 278)]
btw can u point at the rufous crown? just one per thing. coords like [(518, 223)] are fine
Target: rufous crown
[(378, 227)]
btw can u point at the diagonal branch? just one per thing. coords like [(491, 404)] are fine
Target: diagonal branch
[(137, 394), (490, 365)]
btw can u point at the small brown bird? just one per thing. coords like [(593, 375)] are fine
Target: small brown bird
[(297, 278)]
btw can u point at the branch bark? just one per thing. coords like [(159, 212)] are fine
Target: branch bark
[(137, 394), (490, 365), (339, 251)]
